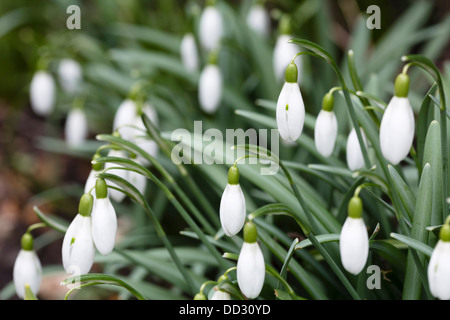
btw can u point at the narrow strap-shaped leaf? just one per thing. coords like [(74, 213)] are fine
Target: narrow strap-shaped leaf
[(413, 244)]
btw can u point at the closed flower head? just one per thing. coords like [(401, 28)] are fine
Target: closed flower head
[(76, 129), (210, 28), (232, 205), (355, 158), (250, 266), (70, 75), (188, 52), (290, 111), (397, 124), (439, 266), (42, 93), (326, 128), (354, 240), (210, 88)]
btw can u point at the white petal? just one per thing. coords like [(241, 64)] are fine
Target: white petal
[(90, 182), (138, 180), (188, 51), (397, 130), (27, 270), (232, 209), (81, 250), (250, 270), (210, 88), (42, 93), (104, 225), (325, 132), (258, 20), (290, 122), (439, 271), (220, 295), (76, 129), (71, 232), (355, 159), (354, 245), (70, 74), (210, 28), (116, 195), (282, 56), (124, 117)]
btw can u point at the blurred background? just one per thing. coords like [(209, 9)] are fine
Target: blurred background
[(121, 41)]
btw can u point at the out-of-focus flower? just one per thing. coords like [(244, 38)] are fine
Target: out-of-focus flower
[(27, 268), (117, 170), (189, 53), (326, 128), (210, 28), (76, 128), (70, 75), (42, 93), (210, 88), (397, 125), (258, 20), (232, 205), (284, 51), (78, 250), (290, 107), (354, 240), (355, 159), (250, 266)]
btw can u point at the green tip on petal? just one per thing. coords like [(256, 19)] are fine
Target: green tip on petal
[(101, 188), (285, 24), (292, 73), (328, 102), (250, 232), (233, 175), (85, 206), (401, 86), (27, 242), (444, 233), (355, 207)]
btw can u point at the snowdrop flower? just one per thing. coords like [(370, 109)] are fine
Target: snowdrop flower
[(439, 266), (117, 170), (397, 124), (125, 118), (284, 51), (354, 240), (27, 268), (104, 219), (42, 93), (70, 75), (92, 177), (232, 204), (220, 295), (258, 20), (250, 265), (290, 108), (210, 28), (326, 128), (188, 52), (78, 248), (76, 129), (355, 158), (210, 88)]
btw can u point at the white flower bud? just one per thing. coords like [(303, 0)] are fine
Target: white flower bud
[(290, 112), (27, 271), (251, 270), (210, 88), (354, 245), (78, 250), (76, 129), (325, 132), (70, 75), (283, 54), (438, 267), (397, 130), (210, 28), (104, 225), (42, 93), (355, 159), (189, 53), (232, 209), (258, 20)]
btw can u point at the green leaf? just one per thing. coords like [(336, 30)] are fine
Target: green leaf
[(413, 244), (405, 194)]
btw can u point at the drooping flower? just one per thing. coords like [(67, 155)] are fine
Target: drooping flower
[(92, 177), (210, 88), (189, 53), (438, 267), (250, 266), (355, 158), (397, 124), (76, 128), (104, 219), (42, 93), (210, 28), (326, 128), (78, 250), (117, 170), (354, 240), (290, 112), (258, 20), (27, 268), (70, 75), (232, 205)]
